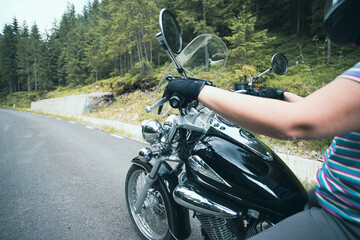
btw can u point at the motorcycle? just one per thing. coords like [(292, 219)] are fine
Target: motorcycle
[(233, 183)]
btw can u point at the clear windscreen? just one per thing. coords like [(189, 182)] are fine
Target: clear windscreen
[(203, 58)]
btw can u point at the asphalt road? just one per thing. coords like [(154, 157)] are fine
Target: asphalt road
[(62, 180)]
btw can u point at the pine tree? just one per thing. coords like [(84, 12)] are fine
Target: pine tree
[(2, 70), (24, 59), (74, 50), (127, 34), (317, 15), (45, 83), (92, 39), (35, 52), (54, 50), (9, 64), (66, 25), (245, 39)]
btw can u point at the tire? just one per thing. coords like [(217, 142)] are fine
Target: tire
[(153, 220)]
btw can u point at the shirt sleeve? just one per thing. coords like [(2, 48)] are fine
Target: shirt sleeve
[(352, 73)]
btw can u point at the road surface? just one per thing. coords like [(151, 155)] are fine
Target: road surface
[(62, 180)]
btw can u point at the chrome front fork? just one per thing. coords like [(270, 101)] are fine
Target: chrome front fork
[(149, 181)]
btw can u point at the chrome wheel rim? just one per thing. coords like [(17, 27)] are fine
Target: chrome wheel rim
[(152, 220)]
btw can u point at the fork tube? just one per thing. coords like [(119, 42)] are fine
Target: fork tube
[(150, 179)]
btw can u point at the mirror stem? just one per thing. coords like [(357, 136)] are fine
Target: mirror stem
[(264, 73), (177, 64), (179, 68), (253, 79)]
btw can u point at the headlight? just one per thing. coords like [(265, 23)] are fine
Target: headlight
[(198, 165), (152, 131)]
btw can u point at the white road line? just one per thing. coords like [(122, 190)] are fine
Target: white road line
[(117, 136), (58, 118), (72, 122), (89, 127)]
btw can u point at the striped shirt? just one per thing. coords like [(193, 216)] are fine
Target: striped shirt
[(338, 189)]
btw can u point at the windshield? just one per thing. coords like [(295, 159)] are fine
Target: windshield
[(203, 58)]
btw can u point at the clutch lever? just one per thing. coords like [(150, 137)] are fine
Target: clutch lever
[(157, 104)]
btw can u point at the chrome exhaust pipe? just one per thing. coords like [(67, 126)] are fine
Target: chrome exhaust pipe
[(199, 199)]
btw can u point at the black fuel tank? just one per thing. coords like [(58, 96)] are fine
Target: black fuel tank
[(256, 181)]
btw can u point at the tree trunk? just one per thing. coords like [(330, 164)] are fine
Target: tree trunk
[(147, 60), (143, 41), (28, 82), (124, 63), (130, 61), (120, 66), (138, 45), (290, 15), (35, 72), (10, 84), (298, 19), (158, 58), (329, 51), (151, 52)]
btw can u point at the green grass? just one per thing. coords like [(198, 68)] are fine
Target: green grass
[(308, 72), (128, 108), (20, 100)]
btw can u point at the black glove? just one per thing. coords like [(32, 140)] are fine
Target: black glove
[(273, 93), (189, 89), (267, 93)]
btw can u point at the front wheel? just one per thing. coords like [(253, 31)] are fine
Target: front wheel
[(152, 222)]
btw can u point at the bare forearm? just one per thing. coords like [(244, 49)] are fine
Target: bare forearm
[(290, 97), (324, 113), (256, 114)]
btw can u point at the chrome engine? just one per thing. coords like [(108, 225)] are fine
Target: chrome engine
[(214, 227), (230, 228)]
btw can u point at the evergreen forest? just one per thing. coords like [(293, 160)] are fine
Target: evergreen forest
[(115, 39)]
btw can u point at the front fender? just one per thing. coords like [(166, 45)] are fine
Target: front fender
[(180, 224)]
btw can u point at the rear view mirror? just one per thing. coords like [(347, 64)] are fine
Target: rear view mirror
[(279, 64), (170, 31)]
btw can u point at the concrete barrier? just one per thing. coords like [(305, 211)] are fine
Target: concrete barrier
[(129, 130), (68, 106), (305, 169)]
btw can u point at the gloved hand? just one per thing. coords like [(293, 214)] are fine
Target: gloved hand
[(267, 93), (273, 93), (189, 89)]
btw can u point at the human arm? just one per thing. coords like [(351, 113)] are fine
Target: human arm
[(332, 110), (291, 97), (274, 93)]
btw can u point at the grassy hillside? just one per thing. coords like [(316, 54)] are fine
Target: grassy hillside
[(309, 70)]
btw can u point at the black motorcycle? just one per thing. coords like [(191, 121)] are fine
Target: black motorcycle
[(234, 184)]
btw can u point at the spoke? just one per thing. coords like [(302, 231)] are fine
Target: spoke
[(152, 219)]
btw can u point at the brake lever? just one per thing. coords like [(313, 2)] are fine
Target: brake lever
[(157, 104)]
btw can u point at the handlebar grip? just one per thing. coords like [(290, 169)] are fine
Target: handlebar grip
[(176, 101)]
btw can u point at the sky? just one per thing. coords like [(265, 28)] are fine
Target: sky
[(41, 12)]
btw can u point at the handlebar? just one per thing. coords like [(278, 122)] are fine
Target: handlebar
[(177, 100), (157, 104)]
